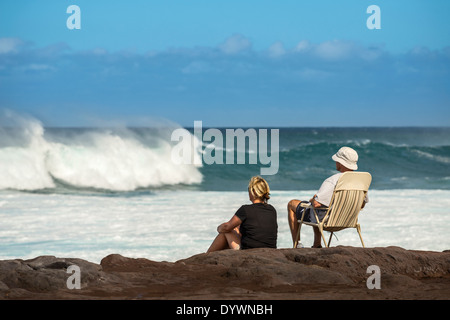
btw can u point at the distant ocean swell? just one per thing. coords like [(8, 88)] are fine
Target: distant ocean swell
[(34, 158), (392, 166)]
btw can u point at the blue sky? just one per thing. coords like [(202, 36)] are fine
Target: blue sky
[(228, 63)]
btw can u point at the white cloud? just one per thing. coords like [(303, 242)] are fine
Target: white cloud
[(235, 44), (232, 75), (339, 50), (197, 67), (40, 67), (313, 74), (8, 45), (276, 50), (302, 46), (100, 52), (335, 50)]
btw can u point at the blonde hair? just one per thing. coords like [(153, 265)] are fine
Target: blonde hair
[(259, 188)]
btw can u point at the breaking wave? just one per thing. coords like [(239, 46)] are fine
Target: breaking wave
[(119, 159)]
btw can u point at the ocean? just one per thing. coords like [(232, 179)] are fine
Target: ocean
[(90, 192)]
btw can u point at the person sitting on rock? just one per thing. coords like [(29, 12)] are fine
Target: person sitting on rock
[(253, 225), (346, 160)]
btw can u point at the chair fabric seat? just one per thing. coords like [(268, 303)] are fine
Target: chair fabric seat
[(345, 205)]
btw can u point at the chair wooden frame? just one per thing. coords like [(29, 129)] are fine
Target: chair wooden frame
[(345, 205)]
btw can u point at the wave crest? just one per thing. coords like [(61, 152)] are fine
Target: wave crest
[(32, 158)]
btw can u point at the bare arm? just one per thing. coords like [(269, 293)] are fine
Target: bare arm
[(315, 203), (230, 225)]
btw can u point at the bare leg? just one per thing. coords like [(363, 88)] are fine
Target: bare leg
[(228, 240), (292, 219), (317, 238), (293, 225), (234, 239), (219, 243)]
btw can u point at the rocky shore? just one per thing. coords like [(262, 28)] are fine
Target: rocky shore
[(264, 274)]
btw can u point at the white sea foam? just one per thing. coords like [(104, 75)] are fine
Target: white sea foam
[(102, 159), (114, 162), (171, 225), (22, 162)]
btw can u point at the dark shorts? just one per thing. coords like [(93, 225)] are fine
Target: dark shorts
[(299, 212), (309, 215)]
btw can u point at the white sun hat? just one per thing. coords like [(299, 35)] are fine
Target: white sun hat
[(347, 157)]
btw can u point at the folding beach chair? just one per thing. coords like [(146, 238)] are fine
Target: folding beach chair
[(345, 205)]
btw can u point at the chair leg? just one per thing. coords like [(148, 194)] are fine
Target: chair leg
[(297, 241), (323, 237), (358, 228), (329, 240)]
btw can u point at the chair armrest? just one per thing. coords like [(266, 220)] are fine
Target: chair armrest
[(305, 204), (309, 205)]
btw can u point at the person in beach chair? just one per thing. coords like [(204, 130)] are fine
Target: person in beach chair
[(346, 161), (253, 225)]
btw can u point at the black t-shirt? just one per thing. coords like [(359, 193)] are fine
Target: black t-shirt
[(259, 226)]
